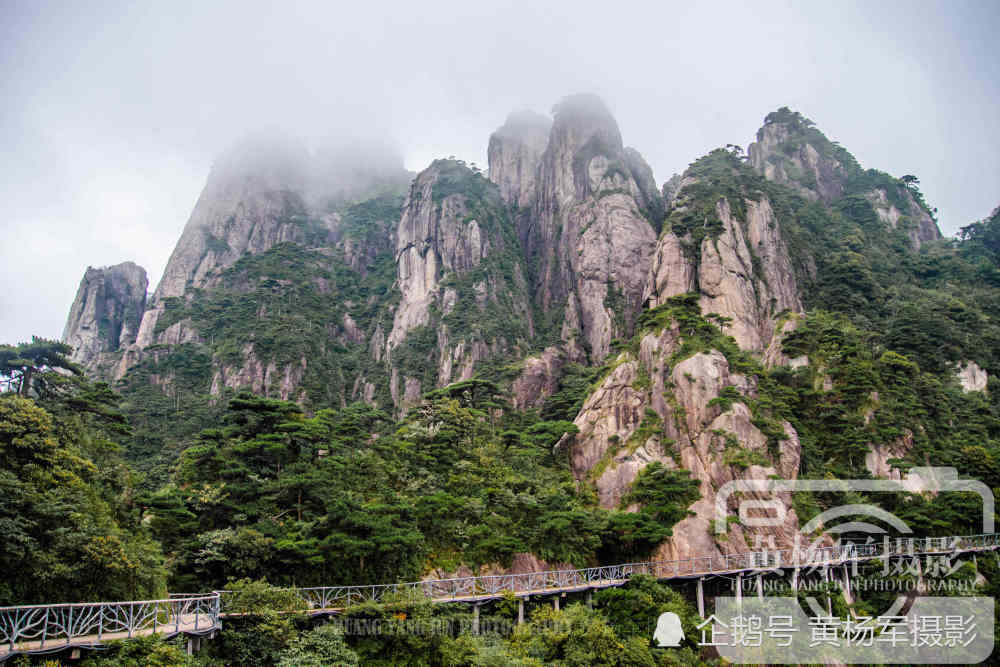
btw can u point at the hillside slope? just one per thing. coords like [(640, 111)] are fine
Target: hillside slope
[(557, 347)]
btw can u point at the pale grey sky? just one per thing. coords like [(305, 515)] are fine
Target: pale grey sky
[(113, 111)]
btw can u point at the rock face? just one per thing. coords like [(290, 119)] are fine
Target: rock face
[(651, 201), (586, 232), (264, 192), (459, 272), (670, 188), (538, 380), (775, 353), (252, 201), (919, 225), (260, 377), (648, 409), (744, 273), (972, 377), (434, 237), (783, 156), (105, 314), (732, 286), (672, 271), (514, 153), (652, 407), (790, 151), (877, 458)]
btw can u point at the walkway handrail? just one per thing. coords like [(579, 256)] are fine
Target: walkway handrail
[(47, 627), (41, 628), (479, 587), (174, 597)]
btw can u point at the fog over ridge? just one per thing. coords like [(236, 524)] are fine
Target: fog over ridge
[(116, 113)]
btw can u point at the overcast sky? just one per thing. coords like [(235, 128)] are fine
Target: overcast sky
[(112, 112)]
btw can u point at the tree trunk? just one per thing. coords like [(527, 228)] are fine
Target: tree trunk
[(26, 381)]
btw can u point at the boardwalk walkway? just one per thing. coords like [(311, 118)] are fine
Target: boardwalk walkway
[(50, 628)]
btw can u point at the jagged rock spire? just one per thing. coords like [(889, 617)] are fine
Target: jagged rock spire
[(105, 313), (583, 223)]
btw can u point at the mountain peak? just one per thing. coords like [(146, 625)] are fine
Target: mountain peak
[(514, 151), (584, 118), (581, 105), (525, 123), (106, 312), (265, 160), (792, 151)]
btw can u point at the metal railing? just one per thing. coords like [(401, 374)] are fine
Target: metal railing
[(461, 588), (42, 628)]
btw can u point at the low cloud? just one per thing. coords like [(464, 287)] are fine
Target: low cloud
[(114, 112)]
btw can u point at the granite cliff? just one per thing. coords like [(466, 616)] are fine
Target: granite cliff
[(461, 281), (651, 316), (105, 314)]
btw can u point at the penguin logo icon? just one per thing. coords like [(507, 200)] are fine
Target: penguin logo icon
[(668, 630)]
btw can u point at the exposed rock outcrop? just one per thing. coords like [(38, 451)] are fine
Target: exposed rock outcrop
[(783, 155), (647, 409), (650, 199), (264, 192), (790, 151), (586, 231), (436, 236), (457, 261), (748, 292), (670, 189), (972, 377), (105, 314), (877, 458), (264, 378), (514, 152), (919, 224), (253, 200), (672, 271), (538, 380), (775, 355), (743, 272)]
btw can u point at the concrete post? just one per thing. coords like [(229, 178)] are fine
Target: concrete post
[(760, 587), (795, 580), (826, 580), (555, 603), (520, 611), (590, 598), (475, 619), (701, 598), (739, 591)]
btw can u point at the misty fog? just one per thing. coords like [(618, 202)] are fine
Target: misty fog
[(115, 112)]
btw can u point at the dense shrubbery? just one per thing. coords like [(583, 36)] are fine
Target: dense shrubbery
[(71, 528), (341, 498)]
